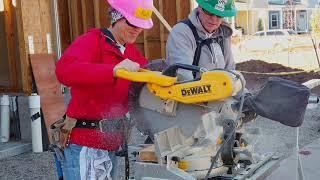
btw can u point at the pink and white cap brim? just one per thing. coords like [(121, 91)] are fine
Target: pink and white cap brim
[(142, 23), (128, 7)]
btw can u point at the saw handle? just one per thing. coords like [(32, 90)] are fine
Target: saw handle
[(146, 76), (172, 69)]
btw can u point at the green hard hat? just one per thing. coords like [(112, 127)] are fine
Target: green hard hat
[(223, 8)]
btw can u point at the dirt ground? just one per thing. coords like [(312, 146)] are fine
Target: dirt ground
[(254, 81)]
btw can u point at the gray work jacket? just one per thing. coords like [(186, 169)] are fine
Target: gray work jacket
[(181, 46)]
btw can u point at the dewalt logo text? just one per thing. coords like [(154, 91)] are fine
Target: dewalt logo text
[(196, 90)]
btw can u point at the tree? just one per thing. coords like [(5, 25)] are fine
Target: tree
[(289, 20), (315, 22), (260, 25), (315, 25)]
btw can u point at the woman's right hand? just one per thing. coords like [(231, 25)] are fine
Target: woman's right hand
[(128, 65)]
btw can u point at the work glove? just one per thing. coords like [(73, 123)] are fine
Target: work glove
[(128, 65)]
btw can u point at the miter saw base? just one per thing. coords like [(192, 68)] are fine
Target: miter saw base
[(178, 157)]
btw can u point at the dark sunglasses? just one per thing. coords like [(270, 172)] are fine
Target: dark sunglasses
[(209, 13), (131, 25)]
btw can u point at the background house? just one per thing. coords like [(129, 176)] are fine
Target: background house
[(291, 14), (249, 13), (275, 14)]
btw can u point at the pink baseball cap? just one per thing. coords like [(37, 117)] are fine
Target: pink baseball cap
[(137, 12)]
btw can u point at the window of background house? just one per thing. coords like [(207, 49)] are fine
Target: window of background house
[(274, 20)]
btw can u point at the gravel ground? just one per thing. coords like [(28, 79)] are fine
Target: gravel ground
[(41, 166), (28, 166), (275, 137)]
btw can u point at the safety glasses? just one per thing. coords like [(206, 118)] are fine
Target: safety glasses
[(131, 25), (209, 13)]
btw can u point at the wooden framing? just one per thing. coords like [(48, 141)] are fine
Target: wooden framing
[(12, 58), (25, 72), (88, 14), (162, 31), (96, 11), (64, 21), (30, 18), (49, 88), (10, 37), (34, 19)]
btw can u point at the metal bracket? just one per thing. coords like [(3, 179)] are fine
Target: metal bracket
[(259, 170)]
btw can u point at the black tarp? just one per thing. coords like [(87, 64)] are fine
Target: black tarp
[(280, 100)]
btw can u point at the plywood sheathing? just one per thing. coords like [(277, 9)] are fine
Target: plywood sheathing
[(36, 19), (49, 89), (33, 19)]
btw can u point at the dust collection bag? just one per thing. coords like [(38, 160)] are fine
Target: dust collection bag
[(280, 100)]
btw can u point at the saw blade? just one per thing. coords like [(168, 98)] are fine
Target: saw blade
[(146, 110), (150, 121)]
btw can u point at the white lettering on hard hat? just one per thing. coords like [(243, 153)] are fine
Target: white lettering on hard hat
[(220, 5)]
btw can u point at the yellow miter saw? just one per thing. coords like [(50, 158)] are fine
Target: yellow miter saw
[(195, 125)]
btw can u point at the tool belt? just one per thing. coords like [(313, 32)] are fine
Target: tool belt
[(114, 125), (60, 130)]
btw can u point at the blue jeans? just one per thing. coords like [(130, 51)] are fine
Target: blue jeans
[(71, 165)]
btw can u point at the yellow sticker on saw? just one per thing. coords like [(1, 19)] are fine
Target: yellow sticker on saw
[(143, 13)]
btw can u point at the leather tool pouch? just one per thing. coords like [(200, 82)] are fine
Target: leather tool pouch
[(60, 131)]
